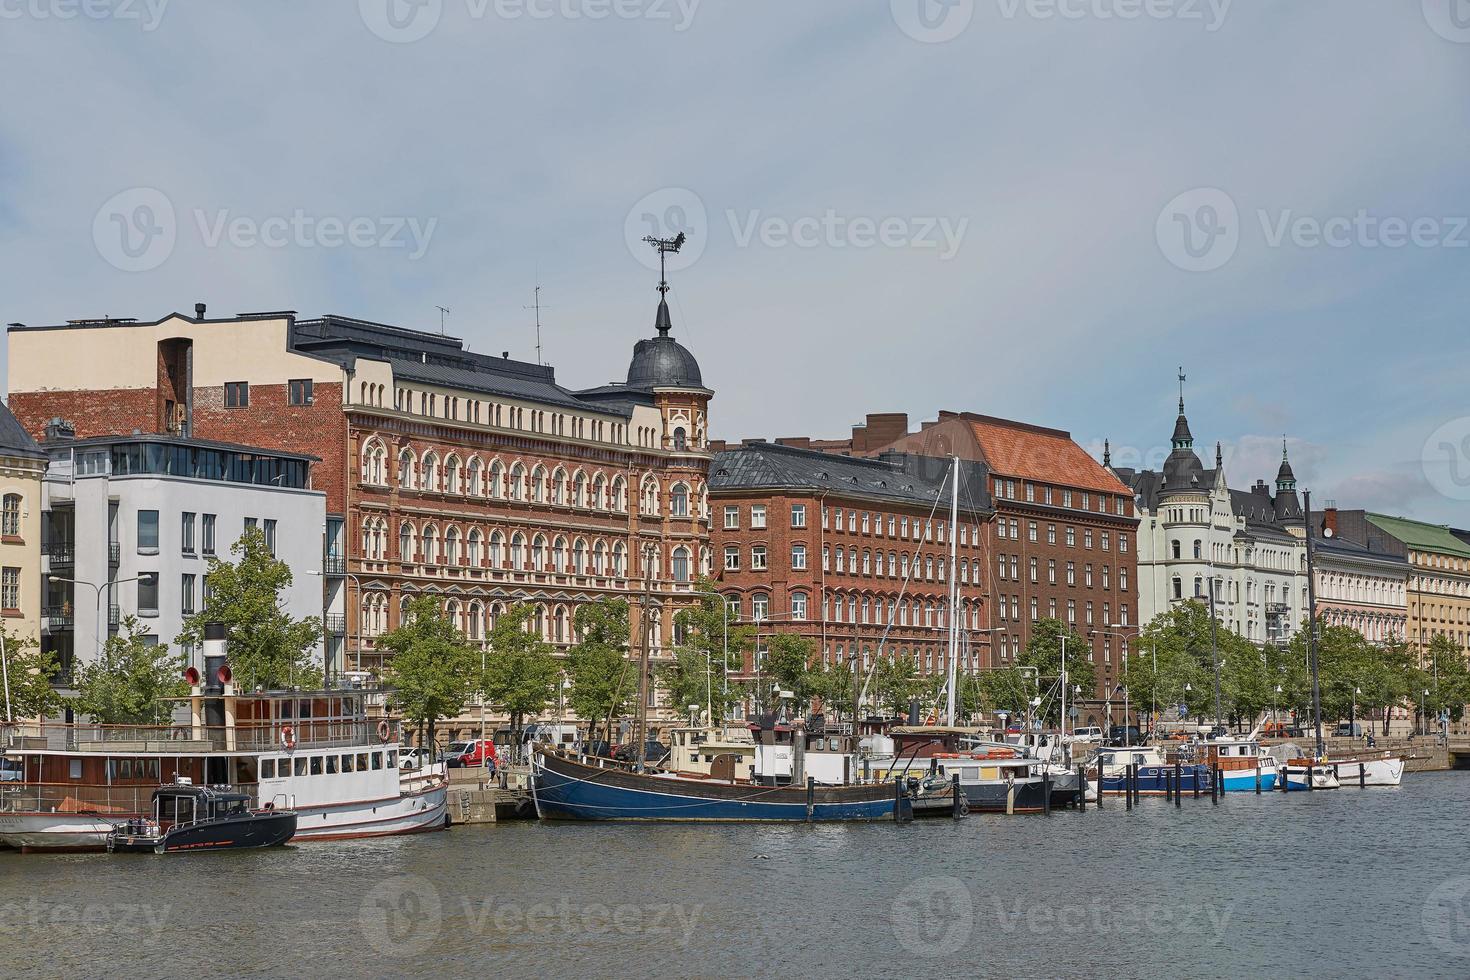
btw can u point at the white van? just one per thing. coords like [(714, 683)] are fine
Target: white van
[(1091, 733)]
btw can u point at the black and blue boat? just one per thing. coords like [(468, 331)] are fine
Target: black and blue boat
[(568, 788), (201, 818), (1156, 774)]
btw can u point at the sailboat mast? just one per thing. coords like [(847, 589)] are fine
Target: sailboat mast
[(954, 584), (1312, 625), (645, 628)]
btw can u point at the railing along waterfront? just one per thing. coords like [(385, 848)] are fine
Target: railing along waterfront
[(107, 802), (184, 739)]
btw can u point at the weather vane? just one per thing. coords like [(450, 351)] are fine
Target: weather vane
[(665, 246)]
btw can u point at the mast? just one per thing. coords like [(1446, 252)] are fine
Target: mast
[(1312, 625), (645, 627), (954, 585), (1215, 649)]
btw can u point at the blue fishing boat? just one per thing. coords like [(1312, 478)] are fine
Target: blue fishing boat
[(567, 788), (1156, 774), (1243, 765)]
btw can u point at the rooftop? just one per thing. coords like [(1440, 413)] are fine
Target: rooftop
[(1033, 452), (1437, 538)]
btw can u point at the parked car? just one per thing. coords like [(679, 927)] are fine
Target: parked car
[(409, 759), (1348, 729), (652, 752), (11, 771), (1090, 733), (1123, 735), (1281, 729), (464, 755)]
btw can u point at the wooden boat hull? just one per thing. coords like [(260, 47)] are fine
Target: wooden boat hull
[(566, 789)]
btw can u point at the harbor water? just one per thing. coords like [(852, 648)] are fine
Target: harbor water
[(1350, 883)]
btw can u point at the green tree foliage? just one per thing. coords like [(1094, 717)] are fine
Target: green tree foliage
[(1447, 678), (130, 682), (788, 665), (30, 671), (1044, 653), (896, 682), (706, 632), (432, 669), (604, 681), (1009, 690), (521, 674), (835, 687), (267, 647)]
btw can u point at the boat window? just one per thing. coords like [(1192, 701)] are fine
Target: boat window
[(287, 708), (300, 767), (331, 765), (347, 764), (316, 765), (362, 762), (74, 769), (392, 759), (377, 760), (267, 768), (305, 709)]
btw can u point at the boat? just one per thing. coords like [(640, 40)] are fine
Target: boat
[(1364, 771), (1244, 766), (995, 777), (316, 753), (707, 750), (1299, 772), (198, 818), (1156, 773), (565, 787)]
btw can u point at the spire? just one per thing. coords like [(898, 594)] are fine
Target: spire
[(1183, 438), (1107, 454), (1182, 379), (664, 323), (1285, 478), (1219, 456)]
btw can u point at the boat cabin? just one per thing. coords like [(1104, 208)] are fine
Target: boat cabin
[(714, 752)]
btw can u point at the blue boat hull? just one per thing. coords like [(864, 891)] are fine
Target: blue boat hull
[(1156, 780), (1244, 781), (566, 790)]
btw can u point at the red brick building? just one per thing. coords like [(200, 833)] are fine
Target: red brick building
[(476, 479), (853, 553)]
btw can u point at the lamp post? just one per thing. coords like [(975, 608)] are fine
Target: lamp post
[(1353, 715), (1274, 698), (1126, 739), (1132, 631), (1423, 716), (98, 589)]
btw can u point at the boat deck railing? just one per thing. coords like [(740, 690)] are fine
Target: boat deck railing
[(107, 803), (187, 739)]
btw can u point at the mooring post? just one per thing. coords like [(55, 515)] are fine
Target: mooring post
[(1258, 778), (1311, 773), (1081, 787), (1178, 784), (1046, 791), (811, 797), (1128, 787), (957, 799)]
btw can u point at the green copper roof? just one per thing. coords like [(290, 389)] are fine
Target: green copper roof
[(1421, 536)]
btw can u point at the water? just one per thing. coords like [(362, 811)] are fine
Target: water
[(1345, 884)]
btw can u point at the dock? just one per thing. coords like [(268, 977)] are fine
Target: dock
[(475, 798)]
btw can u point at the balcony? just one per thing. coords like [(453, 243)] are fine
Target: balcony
[(335, 566), (57, 618), (336, 624), (114, 617), (114, 553), (62, 554)]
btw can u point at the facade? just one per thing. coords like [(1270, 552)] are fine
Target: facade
[(22, 467), (1362, 578), (474, 478), (1195, 529), (131, 522), (852, 553), (1061, 545), (1438, 589)]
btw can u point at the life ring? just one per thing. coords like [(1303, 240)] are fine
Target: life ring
[(288, 737), (946, 755), (932, 720), (385, 731)]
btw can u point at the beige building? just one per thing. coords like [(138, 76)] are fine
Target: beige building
[(1439, 581), (22, 467)]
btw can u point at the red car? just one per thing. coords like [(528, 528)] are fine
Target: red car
[(467, 755)]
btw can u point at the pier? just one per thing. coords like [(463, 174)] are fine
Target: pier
[(475, 798)]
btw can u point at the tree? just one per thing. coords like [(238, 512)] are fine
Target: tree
[(833, 686), (788, 664), (707, 632), (432, 670), (29, 670), (520, 674), (130, 682), (1447, 678), (896, 682), (603, 683), (267, 647), (1009, 690), (1044, 653)]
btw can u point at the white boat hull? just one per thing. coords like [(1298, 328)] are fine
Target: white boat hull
[(1322, 777), (1369, 772)]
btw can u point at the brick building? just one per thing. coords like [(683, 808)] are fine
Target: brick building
[(853, 553), (474, 478)]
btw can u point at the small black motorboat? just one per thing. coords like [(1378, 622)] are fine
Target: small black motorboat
[(201, 818)]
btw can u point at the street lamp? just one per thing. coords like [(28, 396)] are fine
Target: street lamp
[(97, 622), (1423, 716), (1353, 715), (1124, 691)]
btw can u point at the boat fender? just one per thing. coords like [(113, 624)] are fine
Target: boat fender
[(385, 731), (288, 737), (964, 808)]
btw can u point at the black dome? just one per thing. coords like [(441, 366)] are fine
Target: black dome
[(663, 362)]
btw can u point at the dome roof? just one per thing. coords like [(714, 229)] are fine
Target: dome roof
[(663, 362)]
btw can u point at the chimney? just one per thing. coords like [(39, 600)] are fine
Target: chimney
[(886, 428), (1329, 519), (60, 430), (199, 311), (216, 670), (795, 442)]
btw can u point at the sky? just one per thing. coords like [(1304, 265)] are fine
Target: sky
[(1037, 209)]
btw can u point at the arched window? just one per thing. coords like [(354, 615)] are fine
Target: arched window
[(405, 543), (760, 607), (476, 620), (559, 556), (472, 548), (373, 455), (405, 470), (517, 482), (798, 606), (451, 475), (599, 558), (1176, 551), (518, 552), (472, 483), (620, 560), (679, 501), (559, 486), (599, 490), (427, 544), (496, 551), (681, 564), (681, 440), (579, 557), (1199, 549), (538, 553), (649, 502), (429, 478), (451, 546), (497, 480), (619, 499), (579, 489), (538, 485)]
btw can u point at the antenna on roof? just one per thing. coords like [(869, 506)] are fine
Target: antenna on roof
[(537, 307), (443, 312)]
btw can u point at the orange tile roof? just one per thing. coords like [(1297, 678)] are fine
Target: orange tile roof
[(1031, 452)]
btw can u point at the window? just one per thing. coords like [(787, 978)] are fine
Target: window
[(147, 532), (798, 557), (681, 565), (186, 533), (798, 515), (798, 605), (237, 394), (148, 594), (732, 518), (186, 593), (758, 516), (758, 558), (10, 588), (208, 534), (299, 392), (732, 558), (10, 516), (679, 501), (270, 535), (760, 606)]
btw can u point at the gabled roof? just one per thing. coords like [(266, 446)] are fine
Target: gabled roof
[(1421, 536), (15, 440), (1032, 452)]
